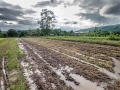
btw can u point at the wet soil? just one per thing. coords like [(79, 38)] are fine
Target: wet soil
[(49, 58), (3, 61), (43, 77), (99, 55)]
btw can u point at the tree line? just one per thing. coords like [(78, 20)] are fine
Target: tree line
[(34, 32)]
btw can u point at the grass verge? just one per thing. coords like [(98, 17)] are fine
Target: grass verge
[(87, 39), (13, 54)]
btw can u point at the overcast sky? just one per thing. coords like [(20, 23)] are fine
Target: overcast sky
[(70, 14)]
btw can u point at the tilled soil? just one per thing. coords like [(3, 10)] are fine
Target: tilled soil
[(47, 79), (45, 58), (99, 55)]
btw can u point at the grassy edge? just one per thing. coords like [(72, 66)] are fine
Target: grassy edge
[(95, 40), (13, 54)]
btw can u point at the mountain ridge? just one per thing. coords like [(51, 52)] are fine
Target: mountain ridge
[(113, 28)]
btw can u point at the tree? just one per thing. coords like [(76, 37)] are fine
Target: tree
[(12, 33), (22, 34), (47, 21), (1, 33), (38, 31)]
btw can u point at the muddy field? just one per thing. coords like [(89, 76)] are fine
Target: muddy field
[(65, 65)]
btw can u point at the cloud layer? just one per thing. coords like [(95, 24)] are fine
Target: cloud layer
[(70, 14)]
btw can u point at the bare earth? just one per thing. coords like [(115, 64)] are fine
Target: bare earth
[(65, 65)]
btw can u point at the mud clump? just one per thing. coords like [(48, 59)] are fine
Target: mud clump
[(115, 86)]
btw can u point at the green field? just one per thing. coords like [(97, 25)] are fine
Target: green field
[(89, 39)]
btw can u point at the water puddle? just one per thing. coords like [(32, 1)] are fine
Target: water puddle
[(53, 85), (27, 74), (3, 66), (117, 65), (27, 65), (67, 68), (62, 77), (85, 83), (103, 70), (24, 64), (4, 79), (2, 84)]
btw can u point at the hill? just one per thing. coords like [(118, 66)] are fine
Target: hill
[(113, 28)]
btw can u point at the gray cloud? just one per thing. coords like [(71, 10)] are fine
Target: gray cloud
[(29, 11), (27, 22), (42, 4), (10, 18), (111, 10), (99, 11), (71, 22), (52, 3), (10, 12), (94, 17), (6, 11), (7, 5)]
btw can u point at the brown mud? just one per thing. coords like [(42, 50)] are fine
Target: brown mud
[(47, 54), (46, 69), (3, 62), (99, 55)]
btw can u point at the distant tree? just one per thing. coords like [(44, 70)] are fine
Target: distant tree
[(38, 31), (5, 35), (22, 34), (47, 21), (1, 35), (12, 33), (0, 31)]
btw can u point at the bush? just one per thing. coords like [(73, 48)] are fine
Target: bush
[(113, 37)]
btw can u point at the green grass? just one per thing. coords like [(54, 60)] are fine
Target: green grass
[(87, 39), (13, 54)]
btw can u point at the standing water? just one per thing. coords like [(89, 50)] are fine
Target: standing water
[(117, 66)]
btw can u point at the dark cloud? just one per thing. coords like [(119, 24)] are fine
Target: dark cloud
[(7, 5), (6, 11), (111, 10), (27, 22), (71, 22), (10, 12), (67, 23), (51, 3), (97, 18), (29, 11), (94, 17), (10, 18), (42, 4)]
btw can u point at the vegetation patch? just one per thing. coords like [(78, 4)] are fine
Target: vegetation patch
[(87, 39), (13, 54)]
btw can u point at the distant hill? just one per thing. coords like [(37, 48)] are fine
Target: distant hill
[(113, 28)]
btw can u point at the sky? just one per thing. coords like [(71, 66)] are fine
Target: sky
[(70, 14)]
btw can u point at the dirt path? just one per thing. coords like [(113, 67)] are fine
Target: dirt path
[(49, 67)]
